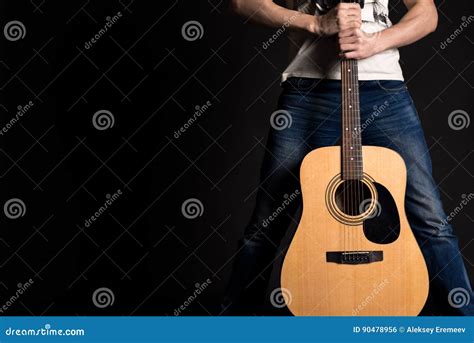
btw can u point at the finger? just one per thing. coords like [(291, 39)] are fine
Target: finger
[(352, 12), (349, 39), (356, 55), (349, 31), (348, 13), (346, 25), (345, 19), (347, 5), (355, 32), (348, 47)]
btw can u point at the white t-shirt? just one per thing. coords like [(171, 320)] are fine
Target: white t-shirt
[(317, 57)]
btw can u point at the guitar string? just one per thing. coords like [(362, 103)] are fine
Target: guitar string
[(358, 144), (344, 155), (347, 133), (361, 162), (351, 152), (349, 155), (350, 73), (344, 125), (355, 150)]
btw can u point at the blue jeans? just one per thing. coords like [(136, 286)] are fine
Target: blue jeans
[(388, 119)]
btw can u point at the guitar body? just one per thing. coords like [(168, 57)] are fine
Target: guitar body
[(365, 263)]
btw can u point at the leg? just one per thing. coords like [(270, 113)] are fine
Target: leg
[(312, 112), (397, 127)]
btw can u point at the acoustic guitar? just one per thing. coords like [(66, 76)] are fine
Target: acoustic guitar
[(353, 252)]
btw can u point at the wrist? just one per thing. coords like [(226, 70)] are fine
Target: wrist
[(314, 25), (381, 43)]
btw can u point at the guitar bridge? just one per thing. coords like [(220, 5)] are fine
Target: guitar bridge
[(354, 257)]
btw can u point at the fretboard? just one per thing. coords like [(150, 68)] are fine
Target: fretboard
[(351, 144)]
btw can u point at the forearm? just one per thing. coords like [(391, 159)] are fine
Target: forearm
[(267, 13), (420, 20)]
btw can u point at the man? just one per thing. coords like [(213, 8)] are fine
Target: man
[(326, 31)]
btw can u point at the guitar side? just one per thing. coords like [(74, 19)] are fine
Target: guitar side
[(394, 286)]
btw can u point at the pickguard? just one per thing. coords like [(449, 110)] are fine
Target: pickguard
[(384, 226)]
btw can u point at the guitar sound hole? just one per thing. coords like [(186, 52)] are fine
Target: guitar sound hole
[(353, 197)]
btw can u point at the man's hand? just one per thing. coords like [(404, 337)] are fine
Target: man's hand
[(357, 44), (342, 17)]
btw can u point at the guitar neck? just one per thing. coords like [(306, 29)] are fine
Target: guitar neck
[(351, 143)]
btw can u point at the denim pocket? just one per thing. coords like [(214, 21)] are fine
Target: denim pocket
[(392, 86)]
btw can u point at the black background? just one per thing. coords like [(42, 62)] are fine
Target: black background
[(151, 79)]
